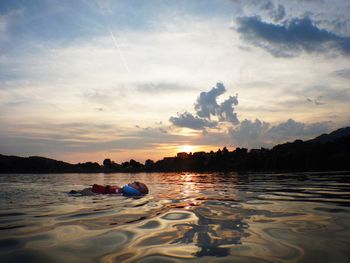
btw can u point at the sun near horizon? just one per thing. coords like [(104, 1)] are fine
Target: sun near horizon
[(187, 148)]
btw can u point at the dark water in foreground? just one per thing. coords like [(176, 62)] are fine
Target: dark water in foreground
[(186, 217)]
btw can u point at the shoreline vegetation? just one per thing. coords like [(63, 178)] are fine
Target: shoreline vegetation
[(327, 152)]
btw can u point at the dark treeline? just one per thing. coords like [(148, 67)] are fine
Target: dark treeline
[(326, 152)]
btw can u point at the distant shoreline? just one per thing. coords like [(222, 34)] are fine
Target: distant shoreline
[(340, 172), (327, 152)]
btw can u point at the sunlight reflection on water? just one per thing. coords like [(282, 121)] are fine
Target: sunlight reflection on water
[(301, 217)]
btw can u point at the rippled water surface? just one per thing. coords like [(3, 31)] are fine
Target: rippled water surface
[(302, 217)]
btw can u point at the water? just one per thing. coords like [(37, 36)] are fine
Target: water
[(232, 217)]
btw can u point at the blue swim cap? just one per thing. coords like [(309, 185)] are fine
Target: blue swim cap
[(130, 191)]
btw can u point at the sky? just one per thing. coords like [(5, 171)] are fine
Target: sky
[(88, 80)]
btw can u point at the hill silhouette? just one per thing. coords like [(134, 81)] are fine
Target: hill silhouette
[(337, 134), (323, 153)]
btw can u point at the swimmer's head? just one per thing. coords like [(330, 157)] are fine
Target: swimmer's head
[(135, 189), (141, 187)]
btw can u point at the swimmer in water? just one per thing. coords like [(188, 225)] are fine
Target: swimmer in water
[(132, 189)]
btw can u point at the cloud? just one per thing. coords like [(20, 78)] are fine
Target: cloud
[(319, 94), (291, 37), (157, 87), (316, 101), (207, 108), (187, 120), (249, 133), (259, 133), (104, 97), (277, 13), (339, 25), (292, 129), (6, 20), (344, 73), (206, 104), (226, 110)]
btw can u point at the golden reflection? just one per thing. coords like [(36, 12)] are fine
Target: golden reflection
[(187, 216), (188, 189)]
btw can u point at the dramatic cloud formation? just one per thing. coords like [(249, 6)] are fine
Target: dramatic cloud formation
[(247, 133), (291, 37), (206, 104), (206, 108)]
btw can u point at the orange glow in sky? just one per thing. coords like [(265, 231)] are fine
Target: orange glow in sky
[(187, 148)]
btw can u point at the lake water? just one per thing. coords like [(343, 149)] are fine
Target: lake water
[(302, 217)]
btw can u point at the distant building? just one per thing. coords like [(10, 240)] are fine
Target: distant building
[(182, 155)]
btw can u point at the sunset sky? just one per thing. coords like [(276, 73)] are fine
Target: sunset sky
[(87, 80)]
